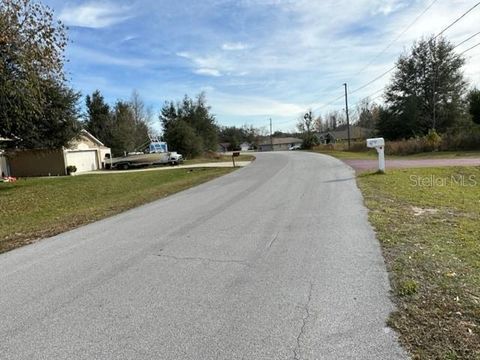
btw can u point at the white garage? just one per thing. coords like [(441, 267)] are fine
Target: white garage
[(85, 152), (84, 160)]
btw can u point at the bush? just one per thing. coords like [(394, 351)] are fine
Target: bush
[(212, 155), (343, 146), (407, 287), (465, 139), (407, 147), (430, 142), (71, 169), (433, 139)]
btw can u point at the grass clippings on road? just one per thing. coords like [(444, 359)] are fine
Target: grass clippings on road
[(428, 223), (39, 207)]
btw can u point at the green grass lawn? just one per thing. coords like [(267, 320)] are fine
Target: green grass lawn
[(372, 155), (220, 158), (33, 208), (349, 155), (428, 223)]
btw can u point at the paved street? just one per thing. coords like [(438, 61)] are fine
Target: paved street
[(274, 261)]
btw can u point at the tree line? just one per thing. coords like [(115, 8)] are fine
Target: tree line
[(123, 127), (39, 109), (427, 93)]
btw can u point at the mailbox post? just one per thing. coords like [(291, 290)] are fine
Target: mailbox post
[(379, 145), (234, 155)]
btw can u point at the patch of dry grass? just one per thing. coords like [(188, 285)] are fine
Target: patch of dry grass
[(427, 221)]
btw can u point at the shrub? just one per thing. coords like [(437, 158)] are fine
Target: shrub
[(407, 147), (71, 169), (212, 155), (465, 139), (407, 287), (433, 139)]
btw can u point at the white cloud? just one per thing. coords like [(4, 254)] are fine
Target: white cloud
[(205, 65), (387, 7), (94, 15), (234, 46), (207, 71), (230, 104)]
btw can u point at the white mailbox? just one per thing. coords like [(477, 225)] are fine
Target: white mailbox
[(379, 145), (376, 142)]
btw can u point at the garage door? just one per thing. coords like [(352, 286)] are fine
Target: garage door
[(83, 160)]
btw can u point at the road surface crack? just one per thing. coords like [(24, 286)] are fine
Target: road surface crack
[(296, 351), (178, 258), (269, 245)]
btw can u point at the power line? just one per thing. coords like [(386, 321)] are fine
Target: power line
[(397, 37), (375, 93), (436, 36), (330, 103), (384, 50), (393, 68), (470, 48), (467, 39), (373, 80), (457, 20)]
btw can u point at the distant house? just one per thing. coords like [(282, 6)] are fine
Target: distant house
[(340, 134), (85, 152), (223, 147), (245, 146), (278, 144)]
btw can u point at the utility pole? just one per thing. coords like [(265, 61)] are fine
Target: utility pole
[(348, 119), (271, 138)]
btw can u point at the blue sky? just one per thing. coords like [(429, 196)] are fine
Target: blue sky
[(255, 59)]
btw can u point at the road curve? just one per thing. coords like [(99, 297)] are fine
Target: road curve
[(274, 261)]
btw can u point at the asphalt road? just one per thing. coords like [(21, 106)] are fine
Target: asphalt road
[(274, 261)]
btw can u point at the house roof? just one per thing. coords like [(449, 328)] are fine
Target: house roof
[(281, 141), (91, 137)]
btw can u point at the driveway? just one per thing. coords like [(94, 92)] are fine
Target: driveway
[(274, 261)]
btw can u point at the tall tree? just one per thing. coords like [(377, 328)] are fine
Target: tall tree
[(365, 114), (430, 78), (127, 134), (474, 105), (31, 75), (98, 120), (142, 117), (194, 114), (305, 126)]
